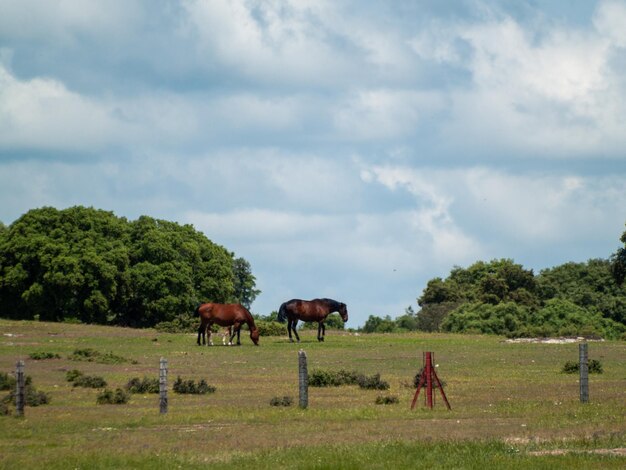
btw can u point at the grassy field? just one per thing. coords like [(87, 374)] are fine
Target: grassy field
[(511, 405)]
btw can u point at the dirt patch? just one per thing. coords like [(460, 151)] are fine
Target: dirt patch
[(563, 340), (620, 451)]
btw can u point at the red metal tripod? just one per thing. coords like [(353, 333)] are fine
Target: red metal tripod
[(427, 376)]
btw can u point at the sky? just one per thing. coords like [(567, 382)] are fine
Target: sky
[(348, 149)]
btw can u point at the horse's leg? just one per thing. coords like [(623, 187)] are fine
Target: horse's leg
[(201, 330), (319, 331), (233, 332), (295, 331), (323, 330), (289, 330), (239, 336), (209, 334)]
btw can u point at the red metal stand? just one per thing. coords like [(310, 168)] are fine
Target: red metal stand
[(427, 376)]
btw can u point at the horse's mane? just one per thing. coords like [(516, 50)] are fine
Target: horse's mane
[(332, 304)]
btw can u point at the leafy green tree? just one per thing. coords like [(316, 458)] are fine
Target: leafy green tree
[(245, 283), (618, 262), (87, 264), (376, 324), (408, 321)]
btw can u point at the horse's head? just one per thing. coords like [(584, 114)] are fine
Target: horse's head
[(343, 311), (254, 336)]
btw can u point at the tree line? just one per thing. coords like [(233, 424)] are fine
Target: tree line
[(88, 265), (502, 297)]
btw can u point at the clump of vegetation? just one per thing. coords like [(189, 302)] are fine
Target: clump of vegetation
[(4, 409), (418, 376), (387, 400), (91, 355), (72, 375), (271, 328), (109, 397), (181, 324), (7, 382), (325, 378), (373, 382), (32, 396), (43, 355), (573, 367), (191, 387), (81, 380), (145, 385), (281, 401)]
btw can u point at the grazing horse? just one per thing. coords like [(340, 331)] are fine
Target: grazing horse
[(227, 315), (310, 310)]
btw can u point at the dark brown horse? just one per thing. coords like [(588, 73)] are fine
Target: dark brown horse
[(227, 315), (310, 310)]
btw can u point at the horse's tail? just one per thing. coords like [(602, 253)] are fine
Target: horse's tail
[(196, 313), (282, 313)]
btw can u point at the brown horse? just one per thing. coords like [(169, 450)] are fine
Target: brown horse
[(226, 315), (310, 310)]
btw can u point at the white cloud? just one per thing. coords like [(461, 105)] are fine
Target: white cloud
[(610, 21)]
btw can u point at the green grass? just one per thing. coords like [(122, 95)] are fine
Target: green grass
[(508, 401)]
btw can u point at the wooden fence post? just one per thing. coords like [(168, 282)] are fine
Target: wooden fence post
[(584, 372), (19, 388), (163, 385), (303, 380)]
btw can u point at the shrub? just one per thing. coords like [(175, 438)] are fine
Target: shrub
[(373, 382), (7, 382), (72, 375), (145, 385), (91, 355), (180, 324), (108, 397), (89, 381), (32, 397), (324, 378), (418, 376), (387, 400), (190, 386), (43, 355), (572, 367), (271, 328), (281, 401)]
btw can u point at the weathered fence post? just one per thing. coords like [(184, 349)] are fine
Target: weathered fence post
[(584, 372), (163, 385), (19, 388), (303, 379)]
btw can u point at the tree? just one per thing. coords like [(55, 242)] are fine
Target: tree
[(245, 283), (87, 264), (618, 262)]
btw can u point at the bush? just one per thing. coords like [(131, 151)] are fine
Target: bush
[(89, 381), (324, 378), (271, 328), (72, 375), (387, 400), (373, 382), (281, 401), (190, 386), (91, 355), (144, 385), (43, 355), (32, 397), (180, 324), (572, 367), (418, 376), (108, 397), (7, 382)]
